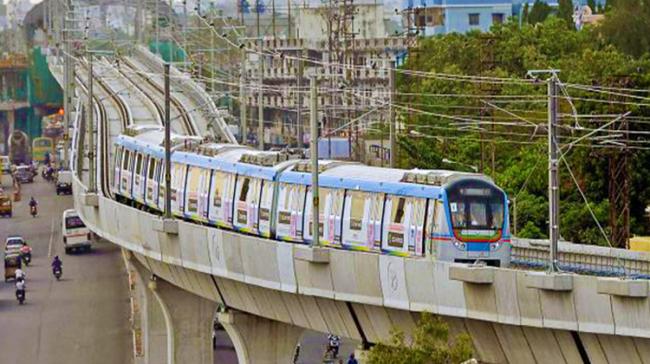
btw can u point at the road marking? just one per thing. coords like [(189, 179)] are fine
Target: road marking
[(49, 248)]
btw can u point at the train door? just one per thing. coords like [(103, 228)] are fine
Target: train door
[(160, 182), (266, 208), (116, 168), (331, 206), (152, 184), (403, 225), (124, 173), (137, 178), (204, 193), (192, 192), (179, 172), (362, 220), (247, 203), (222, 190), (435, 226), (289, 217)]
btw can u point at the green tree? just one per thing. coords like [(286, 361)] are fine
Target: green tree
[(627, 27), (431, 344), (539, 12), (524, 15), (454, 122), (565, 12), (592, 5)]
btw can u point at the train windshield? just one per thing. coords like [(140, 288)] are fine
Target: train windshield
[(476, 205)]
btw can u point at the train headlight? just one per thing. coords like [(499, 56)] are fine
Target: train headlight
[(495, 246), (460, 245)]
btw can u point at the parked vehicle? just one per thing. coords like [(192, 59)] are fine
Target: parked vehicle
[(75, 233), (6, 207), (64, 183)]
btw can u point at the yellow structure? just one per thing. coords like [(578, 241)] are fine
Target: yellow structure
[(640, 243)]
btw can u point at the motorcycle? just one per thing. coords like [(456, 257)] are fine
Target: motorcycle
[(20, 296), (27, 258), (57, 273), (26, 254), (33, 211), (48, 174)]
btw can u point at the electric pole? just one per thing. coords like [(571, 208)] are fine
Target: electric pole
[(260, 95), (313, 153), (242, 103), (553, 177), (168, 156), (391, 118), (92, 185)]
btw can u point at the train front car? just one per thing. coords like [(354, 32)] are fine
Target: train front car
[(477, 223)]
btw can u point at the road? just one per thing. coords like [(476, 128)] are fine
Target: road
[(84, 318)]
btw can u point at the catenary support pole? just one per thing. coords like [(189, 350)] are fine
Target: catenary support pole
[(391, 119), (168, 164), (260, 96), (92, 182), (313, 152), (553, 179)]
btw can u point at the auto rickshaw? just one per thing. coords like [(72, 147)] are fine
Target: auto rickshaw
[(13, 261), (5, 205)]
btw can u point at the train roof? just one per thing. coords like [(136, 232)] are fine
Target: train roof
[(230, 161), (416, 183)]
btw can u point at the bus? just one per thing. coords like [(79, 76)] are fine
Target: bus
[(41, 146)]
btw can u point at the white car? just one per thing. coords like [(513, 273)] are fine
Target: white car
[(75, 233)]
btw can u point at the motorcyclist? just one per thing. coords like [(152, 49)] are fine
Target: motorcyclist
[(32, 207), (56, 264), (20, 288)]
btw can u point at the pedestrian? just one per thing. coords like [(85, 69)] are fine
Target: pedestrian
[(352, 359)]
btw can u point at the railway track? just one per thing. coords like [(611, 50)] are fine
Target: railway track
[(186, 121), (102, 122)]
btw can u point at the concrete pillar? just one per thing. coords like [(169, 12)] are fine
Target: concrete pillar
[(258, 340), (177, 325)]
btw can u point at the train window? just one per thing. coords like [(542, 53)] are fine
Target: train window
[(138, 163), (398, 212), (125, 161), (244, 189), (217, 187), (357, 207), (476, 205), (192, 195), (266, 203), (152, 167)]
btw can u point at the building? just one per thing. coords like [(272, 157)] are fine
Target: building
[(362, 37), (432, 17)]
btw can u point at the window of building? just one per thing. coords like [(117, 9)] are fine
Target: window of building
[(474, 18), (497, 18)]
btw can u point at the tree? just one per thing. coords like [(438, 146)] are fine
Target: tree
[(524, 15), (539, 12), (626, 26), (468, 137), (565, 12), (431, 344), (592, 5)]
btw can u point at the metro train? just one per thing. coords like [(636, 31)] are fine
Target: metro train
[(447, 215)]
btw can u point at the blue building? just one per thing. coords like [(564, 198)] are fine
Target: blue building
[(448, 16)]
